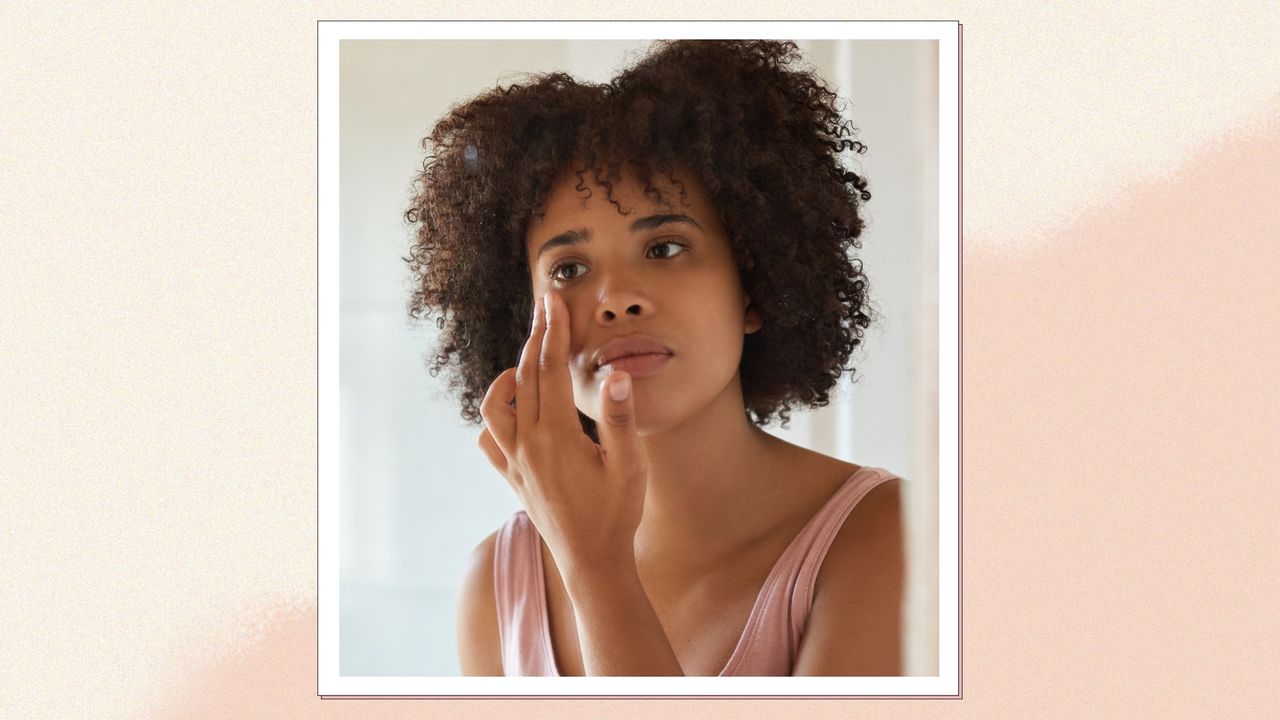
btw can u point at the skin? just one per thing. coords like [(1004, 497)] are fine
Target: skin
[(657, 540)]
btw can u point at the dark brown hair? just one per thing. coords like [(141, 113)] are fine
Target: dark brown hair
[(763, 138)]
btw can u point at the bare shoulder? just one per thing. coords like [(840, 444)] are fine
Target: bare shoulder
[(479, 649), (855, 624), (874, 525)]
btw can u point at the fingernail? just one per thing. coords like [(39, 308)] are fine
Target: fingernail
[(546, 301), (620, 389)]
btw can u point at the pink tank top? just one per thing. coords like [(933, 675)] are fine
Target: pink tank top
[(771, 638)]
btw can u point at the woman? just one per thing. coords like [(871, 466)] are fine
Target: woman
[(663, 532)]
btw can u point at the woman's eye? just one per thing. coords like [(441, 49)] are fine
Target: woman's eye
[(559, 271), (675, 248)]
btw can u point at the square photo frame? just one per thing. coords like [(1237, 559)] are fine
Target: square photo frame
[(404, 493)]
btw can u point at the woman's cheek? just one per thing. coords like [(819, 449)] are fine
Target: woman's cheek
[(584, 397)]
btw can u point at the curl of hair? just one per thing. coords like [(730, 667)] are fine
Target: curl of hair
[(763, 138)]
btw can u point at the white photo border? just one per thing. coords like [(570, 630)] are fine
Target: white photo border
[(947, 683)]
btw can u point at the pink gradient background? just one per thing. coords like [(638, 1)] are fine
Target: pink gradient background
[(1121, 410)]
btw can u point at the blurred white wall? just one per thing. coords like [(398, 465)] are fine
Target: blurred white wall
[(416, 494)]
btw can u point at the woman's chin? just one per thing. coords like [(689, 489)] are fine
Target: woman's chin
[(646, 422)]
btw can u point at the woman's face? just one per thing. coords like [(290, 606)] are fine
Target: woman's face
[(662, 273)]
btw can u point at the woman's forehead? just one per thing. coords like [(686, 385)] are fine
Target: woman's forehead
[(567, 203), (572, 216)]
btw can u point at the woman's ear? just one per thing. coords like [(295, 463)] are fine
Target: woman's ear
[(753, 320)]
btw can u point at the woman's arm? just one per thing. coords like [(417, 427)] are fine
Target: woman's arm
[(479, 649), (585, 499), (618, 631), (855, 625)]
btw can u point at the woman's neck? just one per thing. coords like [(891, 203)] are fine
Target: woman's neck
[(711, 480)]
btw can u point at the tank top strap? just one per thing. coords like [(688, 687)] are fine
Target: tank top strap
[(770, 642), (811, 545), (520, 595)]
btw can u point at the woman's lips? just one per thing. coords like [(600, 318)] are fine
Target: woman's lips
[(637, 354), (637, 365)]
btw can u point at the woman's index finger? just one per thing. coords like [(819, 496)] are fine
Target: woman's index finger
[(527, 373), (555, 391)]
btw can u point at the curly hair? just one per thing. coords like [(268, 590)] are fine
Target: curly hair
[(762, 137)]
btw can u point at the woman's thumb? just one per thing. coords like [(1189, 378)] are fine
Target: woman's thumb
[(618, 435)]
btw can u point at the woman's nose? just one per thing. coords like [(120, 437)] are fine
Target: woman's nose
[(617, 299)]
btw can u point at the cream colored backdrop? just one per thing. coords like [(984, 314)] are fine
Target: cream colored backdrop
[(158, 348)]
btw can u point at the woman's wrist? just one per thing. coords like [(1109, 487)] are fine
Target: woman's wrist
[(618, 631), (586, 575)]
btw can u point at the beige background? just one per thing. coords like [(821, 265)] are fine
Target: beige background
[(157, 364)]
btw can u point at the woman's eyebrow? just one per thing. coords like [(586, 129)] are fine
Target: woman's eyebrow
[(568, 237), (653, 221), (575, 237)]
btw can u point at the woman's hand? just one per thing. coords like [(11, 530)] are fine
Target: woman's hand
[(586, 500)]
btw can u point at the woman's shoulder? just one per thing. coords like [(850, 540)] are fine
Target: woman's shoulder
[(855, 616), (874, 511), (875, 517), (479, 647), (820, 475), (481, 563), (825, 475)]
